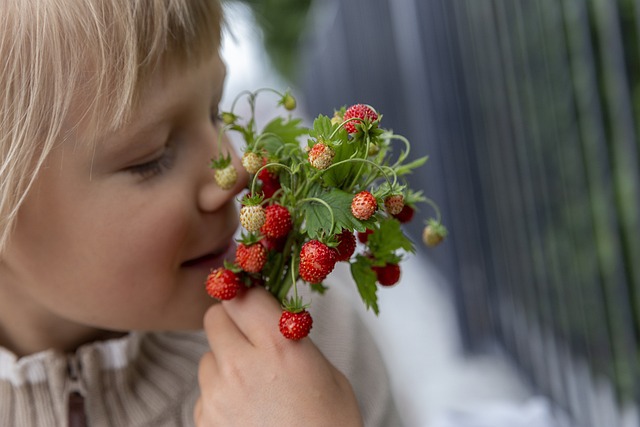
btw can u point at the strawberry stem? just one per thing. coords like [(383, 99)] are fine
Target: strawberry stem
[(326, 205), (403, 154), (380, 169), (255, 176), (434, 206), (352, 119)]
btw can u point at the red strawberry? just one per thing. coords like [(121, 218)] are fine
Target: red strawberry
[(278, 222), (295, 326), (359, 111), (251, 258), (387, 275), (271, 244), (346, 245), (363, 205), (269, 188), (222, 284), (321, 156), (394, 203), (317, 260), (265, 175), (364, 236), (405, 215)]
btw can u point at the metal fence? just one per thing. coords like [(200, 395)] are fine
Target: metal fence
[(530, 113)]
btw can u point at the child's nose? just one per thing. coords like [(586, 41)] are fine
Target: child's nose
[(212, 197)]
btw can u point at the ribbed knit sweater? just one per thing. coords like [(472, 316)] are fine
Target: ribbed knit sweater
[(150, 379)]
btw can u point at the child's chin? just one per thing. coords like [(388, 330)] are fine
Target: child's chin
[(192, 319)]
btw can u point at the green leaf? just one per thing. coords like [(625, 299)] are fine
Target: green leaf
[(340, 176), (388, 239), (287, 129), (322, 127), (409, 167), (318, 219), (365, 279), (319, 288)]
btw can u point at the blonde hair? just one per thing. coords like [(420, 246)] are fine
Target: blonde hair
[(52, 50)]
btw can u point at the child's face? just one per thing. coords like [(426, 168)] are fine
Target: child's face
[(122, 235)]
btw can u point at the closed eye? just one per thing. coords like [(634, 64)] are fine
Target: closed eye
[(156, 166)]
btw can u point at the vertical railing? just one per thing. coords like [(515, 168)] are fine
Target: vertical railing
[(530, 113)]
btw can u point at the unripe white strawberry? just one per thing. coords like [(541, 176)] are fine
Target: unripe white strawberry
[(252, 218), (251, 162), (321, 156), (434, 233), (226, 177)]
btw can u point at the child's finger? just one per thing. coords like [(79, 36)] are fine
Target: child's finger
[(223, 334), (256, 313)]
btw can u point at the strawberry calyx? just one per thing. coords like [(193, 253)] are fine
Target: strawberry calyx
[(228, 118), (221, 162), (294, 304)]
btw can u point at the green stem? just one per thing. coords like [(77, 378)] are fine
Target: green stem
[(342, 125), (366, 154), (255, 177), (290, 248), (403, 154), (237, 98), (326, 205), (380, 169), (435, 208), (268, 89), (259, 139)]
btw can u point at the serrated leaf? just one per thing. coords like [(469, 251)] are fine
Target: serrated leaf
[(365, 279), (389, 238), (341, 175), (318, 219), (287, 129), (322, 127)]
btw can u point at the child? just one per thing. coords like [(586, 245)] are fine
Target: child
[(111, 221)]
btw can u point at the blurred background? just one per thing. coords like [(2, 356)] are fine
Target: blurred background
[(529, 111)]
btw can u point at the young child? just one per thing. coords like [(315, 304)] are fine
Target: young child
[(111, 221)]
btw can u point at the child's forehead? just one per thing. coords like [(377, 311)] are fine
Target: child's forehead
[(170, 91), (160, 93)]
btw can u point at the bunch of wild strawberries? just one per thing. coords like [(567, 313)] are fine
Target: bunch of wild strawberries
[(306, 208)]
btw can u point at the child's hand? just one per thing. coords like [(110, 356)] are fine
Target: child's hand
[(253, 376)]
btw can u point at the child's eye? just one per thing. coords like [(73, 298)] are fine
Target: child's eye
[(154, 167)]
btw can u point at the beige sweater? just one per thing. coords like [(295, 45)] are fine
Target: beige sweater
[(150, 379)]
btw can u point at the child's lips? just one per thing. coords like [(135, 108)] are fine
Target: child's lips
[(212, 260)]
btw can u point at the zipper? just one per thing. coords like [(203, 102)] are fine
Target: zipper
[(75, 398)]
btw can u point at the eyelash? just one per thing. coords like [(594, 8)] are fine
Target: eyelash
[(163, 163), (154, 167)]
